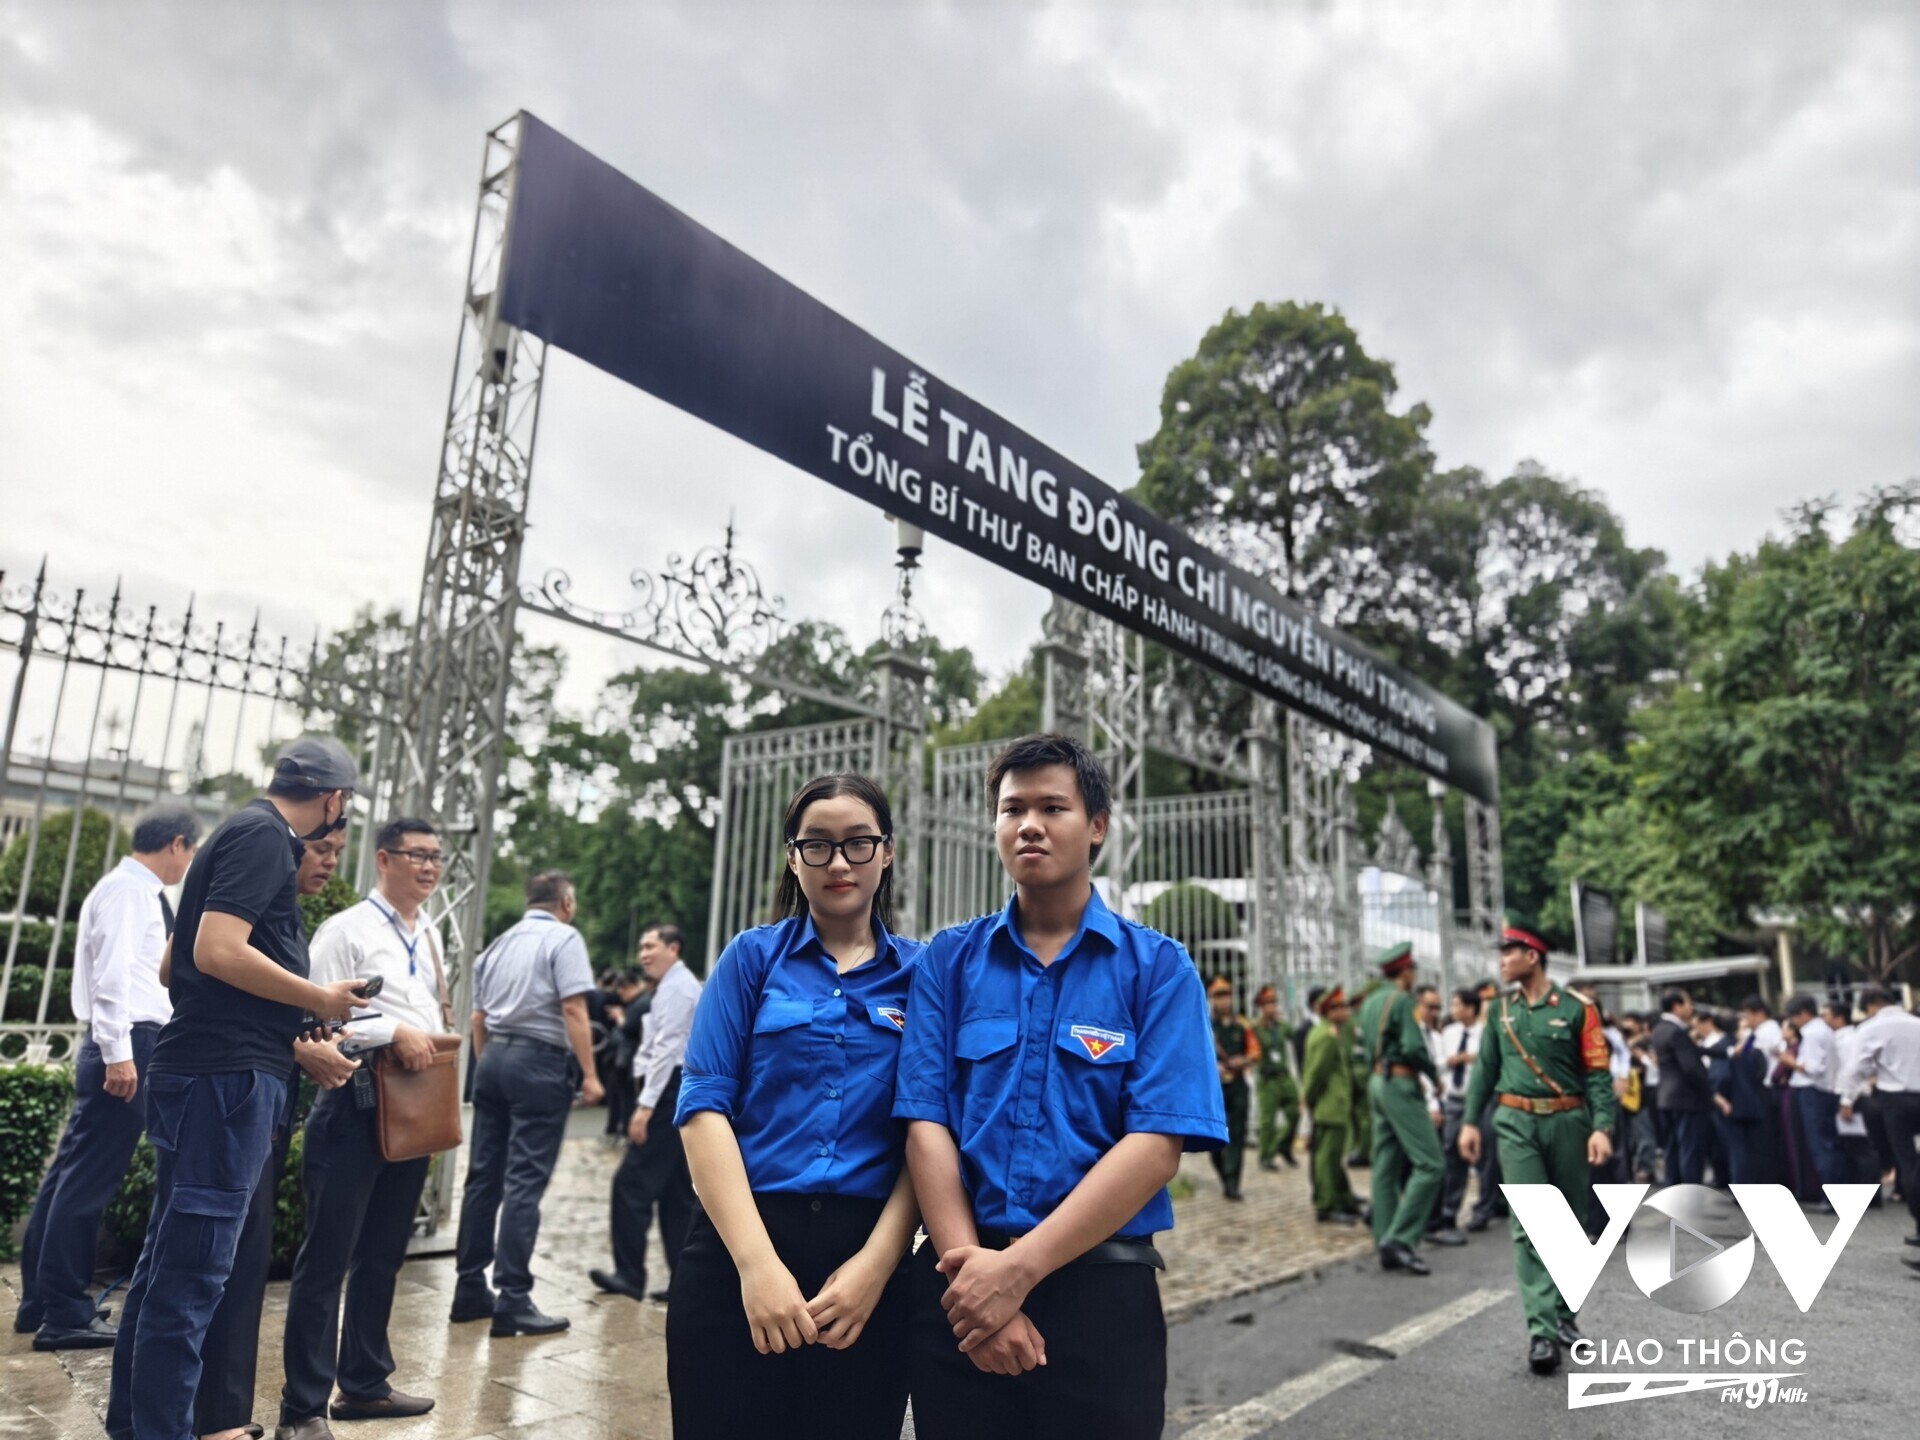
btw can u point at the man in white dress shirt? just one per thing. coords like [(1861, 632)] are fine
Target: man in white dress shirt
[(653, 1172), (360, 1208), (1886, 1057), (1815, 1099), (118, 997)]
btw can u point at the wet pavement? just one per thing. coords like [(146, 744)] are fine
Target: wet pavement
[(606, 1376)]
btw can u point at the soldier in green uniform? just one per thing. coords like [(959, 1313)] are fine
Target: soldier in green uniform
[(1407, 1164), (1277, 1095), (1544, 1055), (1360, 1129), (1235, 1052), (1328, 1085)]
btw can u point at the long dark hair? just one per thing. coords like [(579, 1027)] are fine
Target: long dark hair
[(789, 899)]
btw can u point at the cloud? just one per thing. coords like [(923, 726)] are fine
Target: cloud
[(1669, 250)]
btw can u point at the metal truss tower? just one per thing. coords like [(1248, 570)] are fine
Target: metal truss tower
[(443, 759)]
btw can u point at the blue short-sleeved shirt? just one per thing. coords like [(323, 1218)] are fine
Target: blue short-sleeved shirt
[(801, 1059), (1039, 1070)]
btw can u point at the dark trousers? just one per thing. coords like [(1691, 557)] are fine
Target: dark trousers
[(722, 1388), (230, 1358), (1819, 1113), (522, 1091), (1106, 1370), (1745, 1140), (211, 1136), (1900, 1113), (1688, 1134), (1230, 1159), (56, 1254), (652, 1175), (360, 1213), (1453, 1184)]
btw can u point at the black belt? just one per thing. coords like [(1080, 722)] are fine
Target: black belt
[(509, 1038), (1120, 1250)]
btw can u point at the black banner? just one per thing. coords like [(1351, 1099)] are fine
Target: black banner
[(609, 272)]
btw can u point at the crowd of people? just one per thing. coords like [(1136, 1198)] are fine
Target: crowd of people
[(1020, 1090)]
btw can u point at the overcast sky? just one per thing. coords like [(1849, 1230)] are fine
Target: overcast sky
[(1669, 250)]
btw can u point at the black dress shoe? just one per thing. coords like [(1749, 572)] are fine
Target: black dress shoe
[(1910, 1264), (392, 1406), (96, 1334), (527, 1322), (1233, 1193), (25, 1321), (614, 1283), (1570, 1334), (470, 1307), (1357, 1161), (1478, 1223), (1449, 1237), (1904, 1240), (1336, 1217), (1270, 1166), (659, 1296), (1287, 1155), (1395, 1256), (1543, 1356)]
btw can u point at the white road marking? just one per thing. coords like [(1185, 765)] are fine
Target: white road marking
[(1250, 1417)]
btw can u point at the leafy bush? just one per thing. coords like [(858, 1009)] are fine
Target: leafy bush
[(33, 1102), (23, 995), (50, 861)]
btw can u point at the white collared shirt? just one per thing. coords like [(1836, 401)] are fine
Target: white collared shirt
[(664, 1033), (1886, 1055), (1453, 1079), (1816, 1056), (116, 959), (370, 939)]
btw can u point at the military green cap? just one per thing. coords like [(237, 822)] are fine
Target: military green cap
[(1395, 958)]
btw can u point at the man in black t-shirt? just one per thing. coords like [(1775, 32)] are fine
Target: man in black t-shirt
[(218, 1077)]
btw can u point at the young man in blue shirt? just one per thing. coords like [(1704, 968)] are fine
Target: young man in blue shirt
[(1056, 1061)]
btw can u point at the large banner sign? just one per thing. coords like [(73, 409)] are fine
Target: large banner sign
[(607, 271)]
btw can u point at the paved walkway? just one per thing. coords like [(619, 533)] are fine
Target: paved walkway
[(606, 1377)]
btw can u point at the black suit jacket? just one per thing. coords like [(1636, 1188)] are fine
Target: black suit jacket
[(1684, 1082)]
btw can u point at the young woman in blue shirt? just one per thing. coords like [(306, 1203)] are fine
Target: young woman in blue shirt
[(787, 1308)]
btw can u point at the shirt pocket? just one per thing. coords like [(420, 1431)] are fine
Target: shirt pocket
[(781, 1036), (983, 1056), (877, 1028), (1090, 1077)]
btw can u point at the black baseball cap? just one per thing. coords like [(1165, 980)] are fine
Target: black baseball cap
[(318, 762)]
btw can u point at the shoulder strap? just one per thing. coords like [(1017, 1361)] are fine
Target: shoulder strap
[(439, 977), (1380, 1039), (1545, 1079)]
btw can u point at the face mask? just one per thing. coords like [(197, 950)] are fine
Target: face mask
[(327, 827)]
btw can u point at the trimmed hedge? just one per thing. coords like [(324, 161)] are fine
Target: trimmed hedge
[(33, 1103), (23, 994)]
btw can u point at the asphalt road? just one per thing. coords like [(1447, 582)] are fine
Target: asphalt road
[(1358, 1352)]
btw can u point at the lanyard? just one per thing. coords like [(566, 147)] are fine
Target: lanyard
[(394, 921)]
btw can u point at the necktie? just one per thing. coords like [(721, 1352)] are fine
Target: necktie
[(166, 914), (1456, 1080)]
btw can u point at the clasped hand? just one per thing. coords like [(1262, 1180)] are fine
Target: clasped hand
[(781, 1319)]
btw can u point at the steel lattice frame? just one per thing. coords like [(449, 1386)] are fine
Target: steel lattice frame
[(444, 760)]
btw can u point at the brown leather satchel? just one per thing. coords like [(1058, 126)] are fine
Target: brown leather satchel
[(419, 1110)]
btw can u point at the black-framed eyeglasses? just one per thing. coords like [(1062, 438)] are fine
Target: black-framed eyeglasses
[(859, 849), (421, 858)]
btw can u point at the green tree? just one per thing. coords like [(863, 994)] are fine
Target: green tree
[(50, 863), (1277, 448), (1791, 762)]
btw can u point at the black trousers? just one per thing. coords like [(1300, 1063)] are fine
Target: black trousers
[(56, 1254), (1106, 1370), (360, 1213), (650, 1175), (722, 1388), (1689, 1133), (1900, 1113)]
